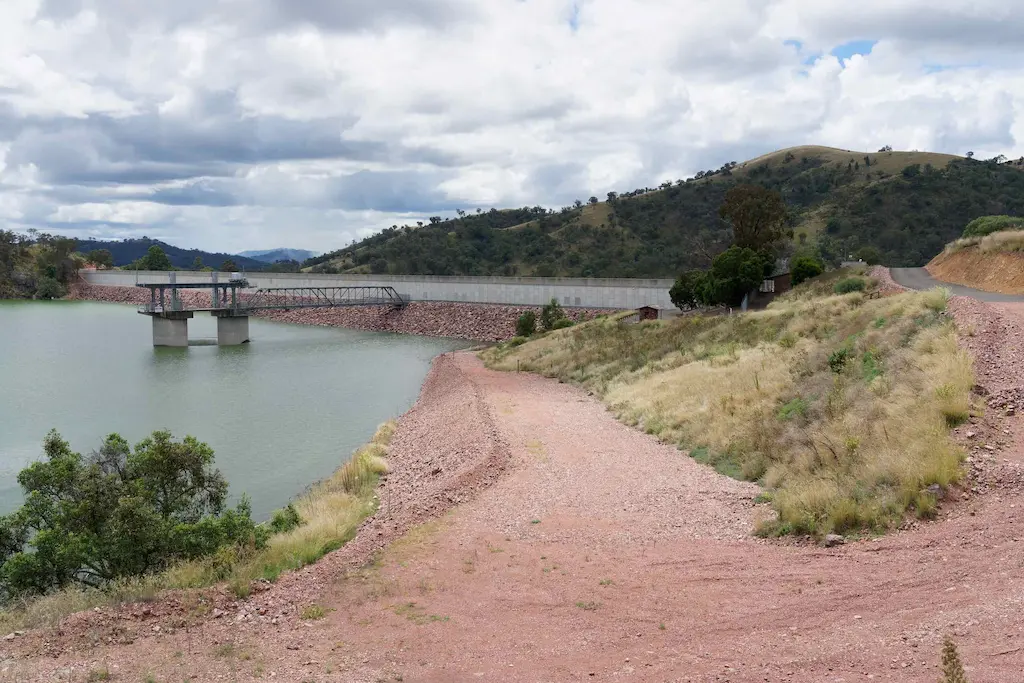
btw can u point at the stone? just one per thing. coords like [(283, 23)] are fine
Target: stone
[(971, 435), (217, 613), (9, 636), (833, 540), (936, 491)]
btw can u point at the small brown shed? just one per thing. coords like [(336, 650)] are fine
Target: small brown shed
[(648, 313)]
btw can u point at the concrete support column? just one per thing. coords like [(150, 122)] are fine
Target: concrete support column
[(170, 331), (232, 330)]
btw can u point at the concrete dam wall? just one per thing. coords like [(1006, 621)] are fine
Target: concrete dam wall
[(592, 293)]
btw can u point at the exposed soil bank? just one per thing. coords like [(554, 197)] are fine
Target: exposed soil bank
[(475, 322), (991, 272)]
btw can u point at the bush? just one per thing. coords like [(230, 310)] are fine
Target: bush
[(986, 225), (285, 519), (550, 314), (117, 513), (850, 284), (806, 267), (526, 325), (517, 341), (562, 324), (49, 288)]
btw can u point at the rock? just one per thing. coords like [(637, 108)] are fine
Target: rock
[(971, 435), (832, 540), (217, 613), (936, 491), (9, 636)]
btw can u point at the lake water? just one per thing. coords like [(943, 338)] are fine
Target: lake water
[(280, 412)]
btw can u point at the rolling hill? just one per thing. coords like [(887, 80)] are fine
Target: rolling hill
[(899, 208), (127, 251), (282, 254)]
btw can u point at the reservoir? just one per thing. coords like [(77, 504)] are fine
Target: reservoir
[(280, 413)]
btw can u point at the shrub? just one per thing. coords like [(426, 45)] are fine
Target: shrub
[(837, 360), (550, 314), (952, 667), (986, 225), (49, 288), (526, 325), (806, 267), (850, 284), (562, 324), (133, 512), (285, 519), (517, 341)]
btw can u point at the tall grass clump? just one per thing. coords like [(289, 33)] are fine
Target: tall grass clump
[(321, 520), (844, 421)]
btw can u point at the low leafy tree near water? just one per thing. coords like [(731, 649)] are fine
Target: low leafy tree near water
[(118, 512)]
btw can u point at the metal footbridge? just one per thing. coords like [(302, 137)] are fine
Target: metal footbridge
[(232, 307)]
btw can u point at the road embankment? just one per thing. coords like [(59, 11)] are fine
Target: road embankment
[(473, 322)]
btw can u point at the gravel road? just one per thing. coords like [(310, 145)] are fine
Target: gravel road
[(919, 278), (565, 546)]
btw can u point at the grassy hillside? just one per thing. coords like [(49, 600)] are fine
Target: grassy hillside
[(838, 405), (907, 205)]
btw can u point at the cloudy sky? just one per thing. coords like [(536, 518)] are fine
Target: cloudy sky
[(235, 124)]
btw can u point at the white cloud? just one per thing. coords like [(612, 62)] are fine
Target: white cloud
[(233, 124)]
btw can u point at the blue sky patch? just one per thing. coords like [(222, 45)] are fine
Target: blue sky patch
[(574, 17), (854, 47)]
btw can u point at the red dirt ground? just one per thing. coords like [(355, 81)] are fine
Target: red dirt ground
[(601, 554)]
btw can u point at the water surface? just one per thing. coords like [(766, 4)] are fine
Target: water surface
[(280, 412)]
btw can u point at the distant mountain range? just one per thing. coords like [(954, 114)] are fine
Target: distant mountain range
[(127, 251), (282, 254)]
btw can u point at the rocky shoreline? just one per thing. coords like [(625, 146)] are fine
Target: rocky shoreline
[(472, 322)]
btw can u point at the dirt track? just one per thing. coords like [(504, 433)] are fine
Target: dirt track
[(601, 554)]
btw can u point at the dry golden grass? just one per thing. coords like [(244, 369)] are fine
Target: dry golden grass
[(1004, 242), (331, 512), (840, 406)]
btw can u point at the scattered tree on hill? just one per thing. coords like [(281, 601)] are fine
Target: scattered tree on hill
[(758, 216), (551, 314), (197, 263), (686, 292), (593, 200), (285, 266), (116, 513), (870, 255), (887, 148), (101, 258), (970, 155), (155, 259), (806, 267), (228, 266)]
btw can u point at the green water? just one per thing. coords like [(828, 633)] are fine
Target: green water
[(280, 412)]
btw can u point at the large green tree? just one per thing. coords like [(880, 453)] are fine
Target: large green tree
[(735, 273), (117, 512), (758, 216), (155, 259)]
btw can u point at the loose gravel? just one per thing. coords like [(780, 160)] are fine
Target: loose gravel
[(565, 546)]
